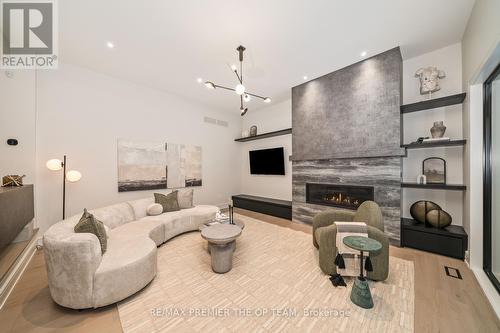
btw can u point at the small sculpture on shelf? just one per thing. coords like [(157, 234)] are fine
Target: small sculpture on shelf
[(420, 209), (438, 218), (429, 79), (421, 179), (13, 180), (253, 130), (430, 213)]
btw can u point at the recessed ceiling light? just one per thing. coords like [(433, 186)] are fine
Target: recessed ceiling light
[(363, 54), (305, 77), (199, 80), (110, 45)]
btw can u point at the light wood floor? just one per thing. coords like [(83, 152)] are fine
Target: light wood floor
[(442, 303)]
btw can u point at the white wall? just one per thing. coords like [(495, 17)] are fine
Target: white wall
[(480, 54), (418, 124), (272, 118), (82, 114), (17, 121)]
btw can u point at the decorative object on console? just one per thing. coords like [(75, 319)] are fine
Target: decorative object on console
[(434, 169), (154, 209), (438, 129), (253, 130), (71, 176), (438, 218), (245, 134), (429, 79), (421, 179), (420, 209), (240, 89), (12, 180), (144, 165)]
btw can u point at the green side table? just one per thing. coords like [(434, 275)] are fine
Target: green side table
[(360, 293)]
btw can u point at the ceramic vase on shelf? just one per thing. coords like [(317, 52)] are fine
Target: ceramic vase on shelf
[(437, 131)]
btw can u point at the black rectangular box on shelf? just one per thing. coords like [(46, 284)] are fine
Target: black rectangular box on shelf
[(450, 241)]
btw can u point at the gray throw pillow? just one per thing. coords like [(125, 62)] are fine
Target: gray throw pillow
[(185, 198), (89, 224), (169, 202)]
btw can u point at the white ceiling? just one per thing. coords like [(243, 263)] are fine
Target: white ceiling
[(168, 44)]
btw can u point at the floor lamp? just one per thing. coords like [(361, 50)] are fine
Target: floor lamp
[(71, 176)]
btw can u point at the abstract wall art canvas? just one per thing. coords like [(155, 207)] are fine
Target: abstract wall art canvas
[(144, 165)]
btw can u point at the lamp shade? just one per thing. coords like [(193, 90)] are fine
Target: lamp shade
[(54, 164), (73, 176)]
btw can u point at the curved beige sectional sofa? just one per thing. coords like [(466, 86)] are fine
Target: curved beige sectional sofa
[(81, 277)]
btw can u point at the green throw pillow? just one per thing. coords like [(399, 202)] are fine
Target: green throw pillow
[(169, 202), (89, 224)]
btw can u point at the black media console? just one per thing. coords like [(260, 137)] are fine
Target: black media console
[(269, 206), (450, 241)]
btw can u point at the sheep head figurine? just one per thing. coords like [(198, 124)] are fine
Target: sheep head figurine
[(429, 79)]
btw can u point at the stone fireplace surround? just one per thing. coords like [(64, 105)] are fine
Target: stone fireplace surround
[(346, 131)]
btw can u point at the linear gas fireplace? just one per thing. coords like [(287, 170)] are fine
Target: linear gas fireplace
[(343, 196)]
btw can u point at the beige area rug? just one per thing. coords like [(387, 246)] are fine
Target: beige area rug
[(275, 286)]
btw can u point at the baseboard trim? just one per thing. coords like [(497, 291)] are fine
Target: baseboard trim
[(17, 269)]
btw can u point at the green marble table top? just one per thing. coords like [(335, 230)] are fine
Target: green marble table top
[(361, 243)]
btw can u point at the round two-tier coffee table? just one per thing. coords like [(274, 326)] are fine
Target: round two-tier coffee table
[(360, 293), (221, 244)]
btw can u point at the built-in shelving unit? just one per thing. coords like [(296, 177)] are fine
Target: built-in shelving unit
[(265, 135), (450, 187), (451, 143), (433, 103), (452, 240)]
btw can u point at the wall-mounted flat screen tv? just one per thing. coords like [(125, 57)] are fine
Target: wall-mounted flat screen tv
[(267, 161)]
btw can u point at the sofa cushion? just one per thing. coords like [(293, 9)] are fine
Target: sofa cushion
[(89, 224), (154, 209), (115, 215), (127, 267), (201, 213), (185, 198), (169, 201), (140, 206), (187, 220), (152, 228)]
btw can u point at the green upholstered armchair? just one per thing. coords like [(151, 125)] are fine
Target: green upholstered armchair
[(325, 234)]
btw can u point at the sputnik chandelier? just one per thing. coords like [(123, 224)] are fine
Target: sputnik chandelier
[(240, 89)]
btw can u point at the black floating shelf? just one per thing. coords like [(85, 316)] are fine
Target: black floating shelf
[(265, 135), (450, 143), (449, 187), (433, 103)]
